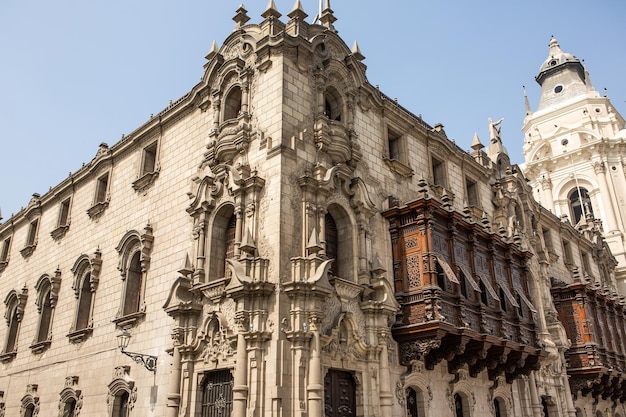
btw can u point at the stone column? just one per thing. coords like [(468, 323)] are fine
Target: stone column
[(200, 231), (534, 398), (571, 410), (245, 88), (611, 220), (546, 188), (173, 397), (386, 397), (240, 379), (315, 387)]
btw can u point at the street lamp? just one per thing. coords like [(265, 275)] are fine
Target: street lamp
[(148, 361)]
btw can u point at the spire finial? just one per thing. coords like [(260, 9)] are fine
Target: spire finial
[(327, 19), (356, 52), (298, 11), (212, 51), (271, 10), (241, 17), (476, 143), (526, 103)]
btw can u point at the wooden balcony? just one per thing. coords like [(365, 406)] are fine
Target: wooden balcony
[(595, 323), (463, 293)]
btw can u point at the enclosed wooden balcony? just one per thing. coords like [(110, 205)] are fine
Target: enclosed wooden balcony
[(595, 323), (463, 292)]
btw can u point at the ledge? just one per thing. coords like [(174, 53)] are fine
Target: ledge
[(97, 209), (399, 167), (78, 336), (39, 347), (145, 181), (28, 250), (129, 320), (59, 232)]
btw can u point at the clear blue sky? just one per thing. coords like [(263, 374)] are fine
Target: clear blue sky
[(78, 73)]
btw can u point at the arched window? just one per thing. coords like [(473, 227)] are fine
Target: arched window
[(84, 304), (134, 285), (498, 407), (70, 397), (232, 103), (331, 242), (122, 393), (458, 406), (414, 403), (580, 203), (223, 242), (230, 237), (45, 319), (86, 277), (15, 303), (333, 105), (69, 407), (47, 294), (14, 325), (338, 236), (30, 402), (134, 250), (29, 411)]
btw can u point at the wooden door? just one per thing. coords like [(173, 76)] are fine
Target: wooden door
[(339, 394)]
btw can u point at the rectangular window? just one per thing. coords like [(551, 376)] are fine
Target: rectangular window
[(149, 159), (101, 189), (471, 192), (439, 172), (395, 145), (32, 233), (64, 212), (586, 266), (5, 249), (547, 239), (567, 253)]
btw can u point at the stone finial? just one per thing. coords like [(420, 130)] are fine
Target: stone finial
[(356, 52), (212, 51), (298, 11), (476, 144), (271, 11), (526, 102), (241, 17), (555, 49), (187, 268), (328, 18)]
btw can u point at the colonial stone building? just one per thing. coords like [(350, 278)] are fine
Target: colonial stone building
[(286, 240)]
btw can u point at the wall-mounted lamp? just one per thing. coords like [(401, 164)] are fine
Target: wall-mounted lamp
[(148, 361)]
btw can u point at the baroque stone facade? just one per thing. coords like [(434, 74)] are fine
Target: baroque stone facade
[(286, 240)]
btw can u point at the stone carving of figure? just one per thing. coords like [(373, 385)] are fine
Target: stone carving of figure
[(494, 130)]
